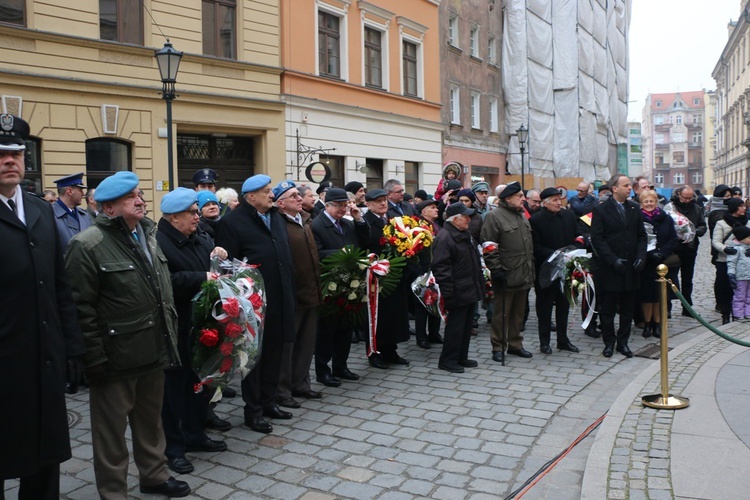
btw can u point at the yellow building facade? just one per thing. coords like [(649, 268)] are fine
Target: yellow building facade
[(83, 74)]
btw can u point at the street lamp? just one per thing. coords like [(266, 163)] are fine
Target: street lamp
[(523, 135), (168, 60)]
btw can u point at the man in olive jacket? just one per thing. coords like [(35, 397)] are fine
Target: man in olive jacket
[(123, 293), (512, 268)]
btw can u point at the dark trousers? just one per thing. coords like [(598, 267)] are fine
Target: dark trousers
[(457, 335), (259, 387), (723, 290), (609, 303), (546, 298), (295, 366), (183, 411), (687, 269), (425, 323), (332, 345), (42, 485)]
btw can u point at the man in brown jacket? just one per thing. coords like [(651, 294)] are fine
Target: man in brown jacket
[(294, 380), (512, 268)]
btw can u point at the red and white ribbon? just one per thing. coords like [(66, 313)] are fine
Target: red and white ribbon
[(375, 268)]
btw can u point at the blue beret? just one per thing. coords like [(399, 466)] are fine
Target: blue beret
[(179, 200), (255, 182), (282, 187), (71, 180), (115, 186), (205, 176), (204, 197)]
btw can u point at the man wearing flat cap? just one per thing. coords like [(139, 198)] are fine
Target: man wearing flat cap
[(481, 191), (256, 231), (552, 229), (70, 217), (205, 179), (512, 268), (321, 191), (39, 335), (333, 232), (121, 285)]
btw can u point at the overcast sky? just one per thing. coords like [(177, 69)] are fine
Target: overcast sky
[(675, 45)]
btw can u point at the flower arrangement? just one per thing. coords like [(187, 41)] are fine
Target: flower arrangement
[(577, 277), (228, 317), (428, 293), (407, 236), (684, 227), (344, 282)]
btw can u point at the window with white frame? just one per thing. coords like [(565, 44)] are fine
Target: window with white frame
[(410, 57), (658, 120), (697, 177), (475, 110), (491, 50), (455, 96), (474, 41), (373, 57), (659, 178), (697, 118), (678, 119), (696, 101), (697, 137), (658, 104), (679, 178), (329, 44), (494, 125), (453, 30)]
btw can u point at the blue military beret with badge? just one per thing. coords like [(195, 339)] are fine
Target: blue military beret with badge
[(282, 187), (13, 133), (115, 186), (255, 182), (204, 197), (179, 200)]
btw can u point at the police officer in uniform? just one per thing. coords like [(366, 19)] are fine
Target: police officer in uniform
[(71, 219)]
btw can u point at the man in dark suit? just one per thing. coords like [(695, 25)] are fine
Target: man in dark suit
[(320, 205), (39, 333), (333, 232), (396, 205), (619, 243)]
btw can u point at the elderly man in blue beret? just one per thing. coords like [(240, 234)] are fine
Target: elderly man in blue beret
[(122, 289), (256, 231), (70, 217)]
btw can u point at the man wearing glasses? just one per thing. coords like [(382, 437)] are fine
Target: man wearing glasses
[(396, 205), (583, 202), (684, 202)]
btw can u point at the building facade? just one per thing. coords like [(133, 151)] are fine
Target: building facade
[(361, 85), (710, 142), (634, 150), (673, 139), (85, 78), (473, 113)]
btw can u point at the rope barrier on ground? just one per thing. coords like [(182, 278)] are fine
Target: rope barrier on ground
[(702, 321)]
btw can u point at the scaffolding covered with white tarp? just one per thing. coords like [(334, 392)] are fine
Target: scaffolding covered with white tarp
[(565, 77)]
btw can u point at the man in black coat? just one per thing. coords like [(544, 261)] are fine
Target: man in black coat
[(39, 333), (396, 205), (333, 232), (553, 228), (685, 203), (619, 243), (256, 231)]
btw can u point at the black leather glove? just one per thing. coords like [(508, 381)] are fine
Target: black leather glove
[(96, 374), (730, 250), (499, 279), (638, 265), (733, 281), (700, 231), (73, 374), (656, 258), (619, 266)]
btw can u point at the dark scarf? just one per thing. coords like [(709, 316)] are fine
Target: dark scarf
[(735, 221)]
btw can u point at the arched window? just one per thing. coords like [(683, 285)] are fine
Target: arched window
[(105, 157)]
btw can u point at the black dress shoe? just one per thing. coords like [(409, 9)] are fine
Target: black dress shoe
[(376, 361), (546, 349), (608, 351), (228, 392), (218, 424), (276, 412), (308, 394), (592, 332), (449, 367), (568, 347), (288, 403), (498, 356), (345, 374), (521, 353), (329, 380), (468, 363), (625, 351), (424, 344), (259, 424), (435, 339), (180, 465), (210, 445), (395, 359), (170, 488)]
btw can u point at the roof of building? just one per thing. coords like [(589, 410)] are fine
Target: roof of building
[(667, 100)]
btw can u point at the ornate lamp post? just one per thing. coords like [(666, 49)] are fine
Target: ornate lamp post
[(523, 135), (168, 60)]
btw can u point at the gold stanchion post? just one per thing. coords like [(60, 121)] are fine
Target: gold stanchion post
[(664, 401)]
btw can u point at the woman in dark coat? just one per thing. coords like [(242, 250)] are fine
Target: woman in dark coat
[(188, 251), (424, 321), (666, 245)]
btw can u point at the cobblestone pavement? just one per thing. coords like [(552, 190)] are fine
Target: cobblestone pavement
[(419, 432)]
